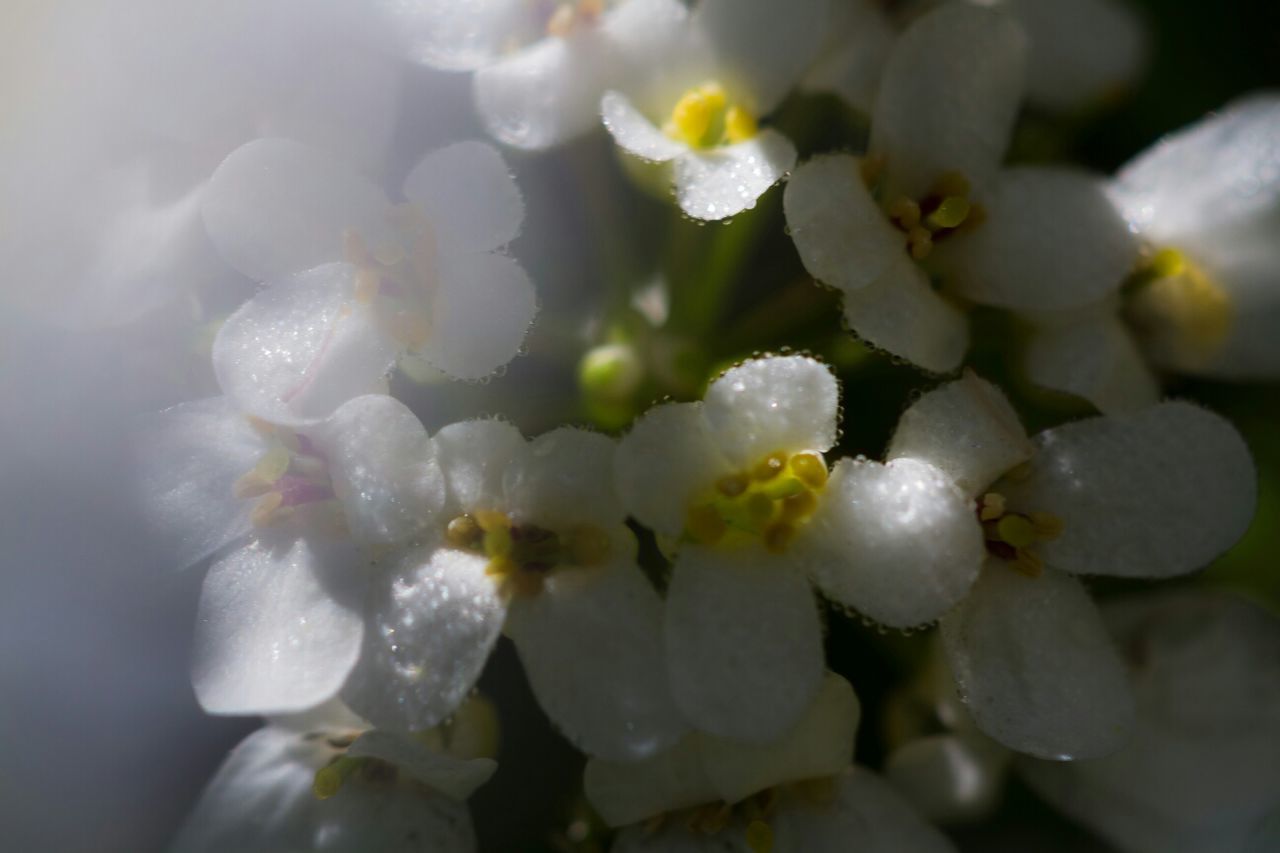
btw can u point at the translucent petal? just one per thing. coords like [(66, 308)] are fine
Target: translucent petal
[(432, 620), (278, 627), (483, 307), (276, 207), (858, 46), (842, 235), (565, 477), (384, 469), (189, 458), (1051, 241), (632, 791), (302, 347), (475, 456), (867, 815), (457, 35), (634, 133), (902, 314), (777, 403), (966, 429), (667, 459), (591, 645), (450, 776), (760, 47), (819, 744), (469, 197), (950, 778), (723, 182), (744, 643), (897, 542), (1092, 356), (367, 818), (1035, 666), (948, 98), (1154, 494)]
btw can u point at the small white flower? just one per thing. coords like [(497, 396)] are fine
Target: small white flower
[(323, 781), (1156, 494), (355, 281), (929, 204), (739, 483), (698, 109)]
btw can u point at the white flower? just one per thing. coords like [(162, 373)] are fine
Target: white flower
[(1202, 772), (355, 281), (739, 483), (859, 40), (323, 781), (929, 204), (1155, 494), (797, 793), (698, 109)]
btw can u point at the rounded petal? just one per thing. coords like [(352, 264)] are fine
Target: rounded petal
[(843, 237), (858, 46), (966, 429), (949, 96), (475, 457), (565, 477), (1036, 668), (469, 197), (723, 182), (369, 819), (1092, 356), (276, 207), (189, 458), (302, 347), (482, 308), (453, 777), (278, 627), (867, 815), (1155, 494), (591, 645), (457, 36), (631, 791), (901, 313), (950, 778), (430, 625), (787, 403), (744, 643), (634, 133), (383, 467), (1051, 241), (664, 462), (897, 542)]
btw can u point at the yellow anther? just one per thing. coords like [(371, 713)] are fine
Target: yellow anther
[(870, 168), (588, 545), (261, 426), (704, 524), (463, 532), (739, 125), (497, 542), (992, 506), (490, 520), (262, 477), (798, 507), (1028, 563), (1016, 530), (905, 212), (951, 213), (759, 509), (732, 485), (951, 184), (759, 837), (781, 488), (919, 243), (1167, 262), (330, 778), (810, 469), (769, 467), (1187, 312), (502, 567), (267, 511), (695, 112), (778, 536), (1046, 525)]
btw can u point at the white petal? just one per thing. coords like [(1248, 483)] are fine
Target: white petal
[(632, 791), (457, 35), (469, 197), (949, 97), (902, 314), (967, 430), (723, 182), (591, 645), (898, 542), (278, 627), (819, 744), (430, 624), (843, 237), (858, 46), (565, 477), (950, 778), (634, 133), (383, 467), (482, 308), (450, 776), (1035, 666), (276, 207), (371, 819), (760, 47), (475, 456), (744, 643), (1155, 494), (189, 458), (867, 816), (667, 459), (1051, 241), (777, 403), (302, 347), (1092, 356)]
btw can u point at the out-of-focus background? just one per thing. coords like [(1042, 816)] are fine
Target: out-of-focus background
[(102, 746)]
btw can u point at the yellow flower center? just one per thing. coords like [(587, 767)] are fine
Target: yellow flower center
[(769, 502), (1011, 536), (946, 209), (522, 556), (1178, 307), (705, 118), (291, 474), (398, 276)]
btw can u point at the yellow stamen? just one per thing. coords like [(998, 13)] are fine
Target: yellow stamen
[(1016, 530), (810, 469), (463, 532), (905, 212), (694, 113), (330, 778), (798, 507), (1046, 525), (262, 477), (266, 511), (992, 506), (1028, 563), (919, 243), (1168, 262), (759, 837), (739, 125), (870, 168), (769, 467), (951, 213)]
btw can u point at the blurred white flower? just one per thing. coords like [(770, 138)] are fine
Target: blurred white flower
[(1156, 494), (928, 222), (859, 39), (698, 108), (355, 281)]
